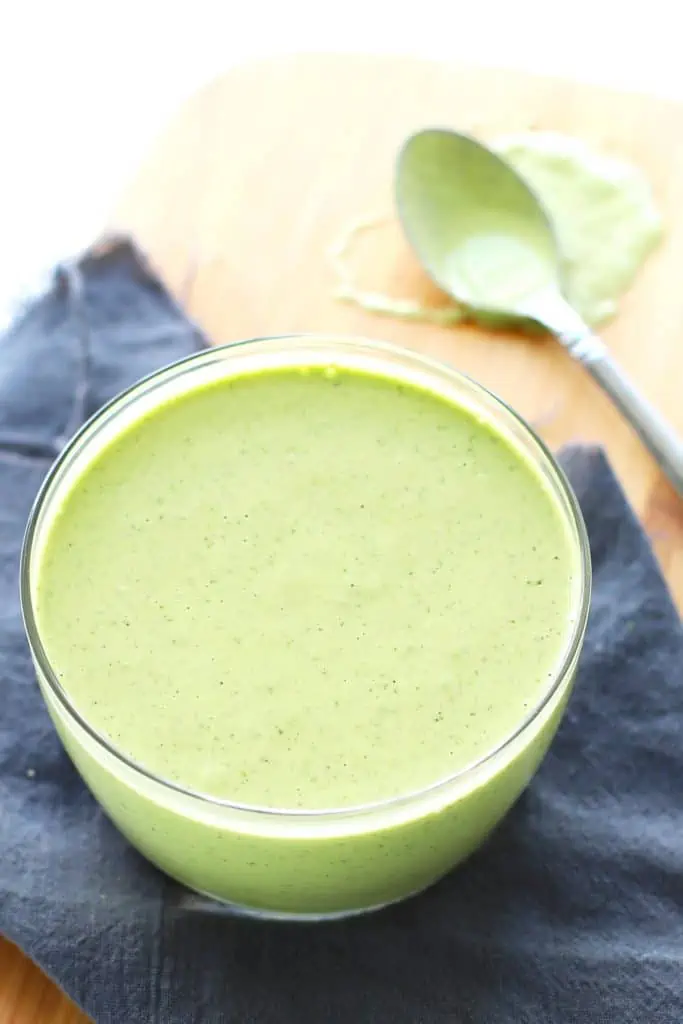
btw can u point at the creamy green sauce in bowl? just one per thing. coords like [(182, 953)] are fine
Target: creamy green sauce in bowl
[(282, 591)]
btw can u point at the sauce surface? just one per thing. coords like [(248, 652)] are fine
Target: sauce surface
[(306, 589)]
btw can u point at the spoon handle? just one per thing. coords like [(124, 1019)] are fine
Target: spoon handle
[(654, 431)]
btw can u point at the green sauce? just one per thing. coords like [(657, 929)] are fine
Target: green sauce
[(602, 210), (303, 590)]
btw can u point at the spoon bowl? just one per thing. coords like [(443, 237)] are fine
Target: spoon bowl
[(475, 225)]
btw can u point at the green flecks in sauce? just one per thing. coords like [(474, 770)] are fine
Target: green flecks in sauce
[(306, 590)]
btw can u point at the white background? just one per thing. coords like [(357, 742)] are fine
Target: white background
[(85, 86)]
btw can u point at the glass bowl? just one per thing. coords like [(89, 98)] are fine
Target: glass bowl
[(305, 865)]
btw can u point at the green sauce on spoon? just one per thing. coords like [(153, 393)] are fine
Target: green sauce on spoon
[(484, 237)]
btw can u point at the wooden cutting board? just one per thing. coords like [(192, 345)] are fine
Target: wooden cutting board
[(262, 171)]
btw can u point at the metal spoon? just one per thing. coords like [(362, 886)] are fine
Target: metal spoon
[(483, 236)]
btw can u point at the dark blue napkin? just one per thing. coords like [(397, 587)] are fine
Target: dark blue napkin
[(571, 914)]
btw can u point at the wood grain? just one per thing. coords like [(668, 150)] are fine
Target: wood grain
[(27, 996), (240, 200)]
